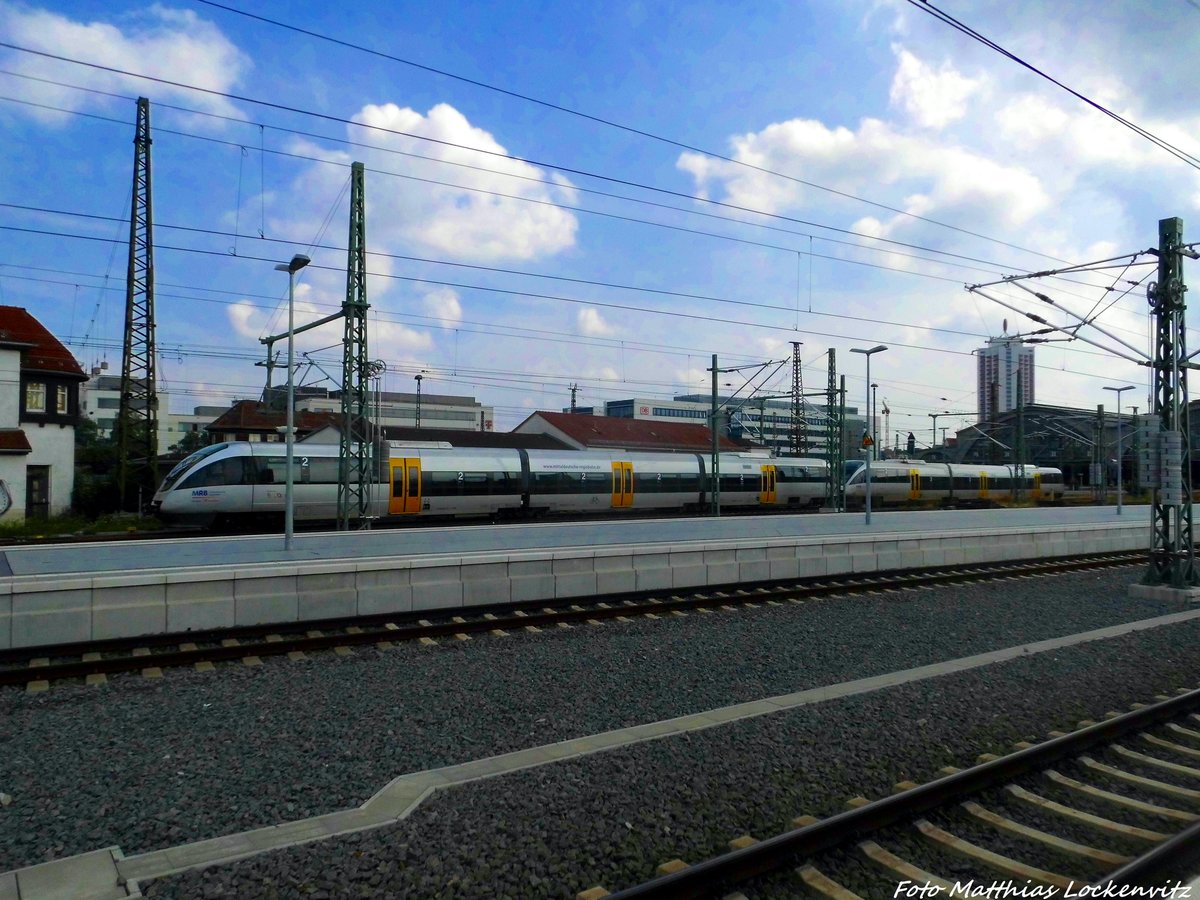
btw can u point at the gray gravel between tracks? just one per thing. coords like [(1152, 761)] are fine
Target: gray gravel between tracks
[(146, 764), (610, 818)]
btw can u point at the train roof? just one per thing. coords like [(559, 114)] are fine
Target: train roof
[(455, 437)]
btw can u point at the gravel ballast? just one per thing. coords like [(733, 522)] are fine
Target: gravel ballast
[(146, 764), (611, 818)]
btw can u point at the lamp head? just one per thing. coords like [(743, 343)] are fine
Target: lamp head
[(299, 261)]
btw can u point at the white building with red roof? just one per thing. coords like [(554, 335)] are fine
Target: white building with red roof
[(39, 406)]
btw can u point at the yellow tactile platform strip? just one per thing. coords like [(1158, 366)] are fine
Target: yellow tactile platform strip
[(405, 793)]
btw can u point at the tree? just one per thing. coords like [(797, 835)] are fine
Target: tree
[(190, 443), (95, 471)]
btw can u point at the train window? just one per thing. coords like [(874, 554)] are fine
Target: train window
[(186, 464), (319, 471), (506, 482), (441, 484), (735, 482), (305, 469), (656, 482), (230, 471), (785, 474), (570, 483)]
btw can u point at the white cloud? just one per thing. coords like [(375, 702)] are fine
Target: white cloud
[(592, 324), (397, 339), (454, 218), (253, 321), (443, 304), (932, 98), (165, 43), (937, 179)]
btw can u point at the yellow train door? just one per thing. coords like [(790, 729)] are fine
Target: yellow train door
[(406, 487), (766, 485), (983, 486), (622, 485), (1037, 485), (914, 484)]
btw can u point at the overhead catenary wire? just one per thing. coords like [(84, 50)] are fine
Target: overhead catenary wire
[(536, 275), (614, 124), (1182, 155), (533, 294), (562, 205), (492, 153), (160, 130)]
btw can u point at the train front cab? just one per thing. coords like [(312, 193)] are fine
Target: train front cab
[(405, 496)]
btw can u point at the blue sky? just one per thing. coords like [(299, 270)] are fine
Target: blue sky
[(870, 99)]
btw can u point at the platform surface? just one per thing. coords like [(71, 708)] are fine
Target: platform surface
[(188, 552)]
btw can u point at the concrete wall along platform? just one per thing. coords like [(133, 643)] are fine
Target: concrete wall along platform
[(50, 609)]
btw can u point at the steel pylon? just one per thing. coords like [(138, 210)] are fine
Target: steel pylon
[(137, 416)]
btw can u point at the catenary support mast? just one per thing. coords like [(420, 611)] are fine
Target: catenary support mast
[(1172, 554), (834, 442), (355, 458), (799, 424), (137, 417)]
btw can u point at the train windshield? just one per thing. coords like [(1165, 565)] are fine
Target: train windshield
[(188, 463), (860, 475)]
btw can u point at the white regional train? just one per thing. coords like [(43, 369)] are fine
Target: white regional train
[(899, 482), (231, 484)]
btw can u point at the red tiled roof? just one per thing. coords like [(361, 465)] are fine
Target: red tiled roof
[(13, 440), (47, 354), (251, 415), (633, 434)]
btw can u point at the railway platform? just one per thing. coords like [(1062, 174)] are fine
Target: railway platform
[(52, 595)]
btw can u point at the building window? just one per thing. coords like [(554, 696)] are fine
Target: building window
[(61, 391), (35, 397)]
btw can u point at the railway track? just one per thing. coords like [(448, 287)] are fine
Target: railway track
[(37, 667), (1122, 773)]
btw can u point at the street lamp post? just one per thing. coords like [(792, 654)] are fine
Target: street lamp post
[(299, 261), (1118, 391), (934, 416), (870, 449)]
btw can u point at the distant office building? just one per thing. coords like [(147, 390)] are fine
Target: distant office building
[(996, 384), (100, 401), (766, 422), (390, 409)]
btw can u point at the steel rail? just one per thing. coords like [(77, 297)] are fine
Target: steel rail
[(722, 872)]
